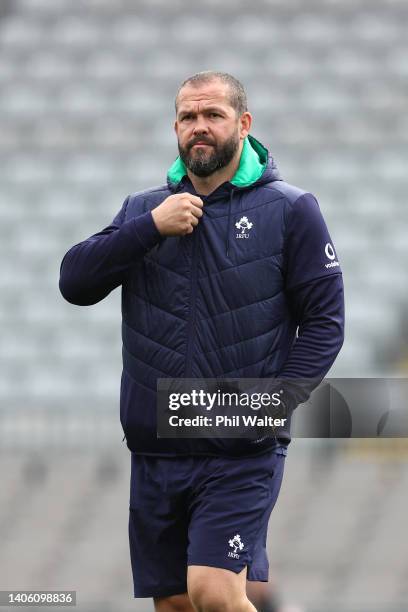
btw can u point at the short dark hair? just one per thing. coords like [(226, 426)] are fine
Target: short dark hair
[(237, 95)]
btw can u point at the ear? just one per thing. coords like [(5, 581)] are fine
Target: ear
[(245, 122), (175, 126)]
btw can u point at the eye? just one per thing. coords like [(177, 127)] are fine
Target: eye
[(184, 117), (215, 114)]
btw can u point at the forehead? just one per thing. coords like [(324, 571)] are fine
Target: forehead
[(203, 94)]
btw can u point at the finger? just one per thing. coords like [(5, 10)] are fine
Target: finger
[(196, 211), (195, 200)]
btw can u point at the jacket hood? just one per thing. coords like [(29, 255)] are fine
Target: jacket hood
[(256, 167)]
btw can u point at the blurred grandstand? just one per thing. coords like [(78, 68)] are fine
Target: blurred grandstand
[(86, 112)]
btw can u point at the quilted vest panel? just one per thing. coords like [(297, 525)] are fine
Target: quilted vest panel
[(207, 304)]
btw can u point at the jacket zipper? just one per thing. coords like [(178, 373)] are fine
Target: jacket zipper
[(193, 293)]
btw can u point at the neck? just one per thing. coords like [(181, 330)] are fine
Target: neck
[(204, 185)]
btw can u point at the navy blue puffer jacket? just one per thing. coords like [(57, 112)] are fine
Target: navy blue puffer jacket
[(216, 303)]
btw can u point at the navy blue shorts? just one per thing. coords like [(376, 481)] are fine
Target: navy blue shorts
[(198, 510)]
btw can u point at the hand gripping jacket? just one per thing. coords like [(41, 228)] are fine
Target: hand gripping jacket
[(222, 302)]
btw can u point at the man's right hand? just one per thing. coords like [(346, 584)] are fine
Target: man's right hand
[(178, 214)]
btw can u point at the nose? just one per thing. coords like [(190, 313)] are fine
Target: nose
[(200, 126)]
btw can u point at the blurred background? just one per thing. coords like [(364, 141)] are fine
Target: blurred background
[(86, 113)]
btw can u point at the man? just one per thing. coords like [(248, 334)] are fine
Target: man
[(218, 268)]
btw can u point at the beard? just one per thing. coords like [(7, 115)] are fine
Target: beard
[(203, 162)]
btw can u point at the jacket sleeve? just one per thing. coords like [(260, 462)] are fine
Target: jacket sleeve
[(315, 294), (318, 309), (91, 269)]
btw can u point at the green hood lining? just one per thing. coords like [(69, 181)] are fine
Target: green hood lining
[(252, 164)]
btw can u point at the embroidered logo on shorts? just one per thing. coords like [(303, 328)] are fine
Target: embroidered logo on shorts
[(244, 224), (236, 544)]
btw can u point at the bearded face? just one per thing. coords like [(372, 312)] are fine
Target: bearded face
[(209, 156)]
